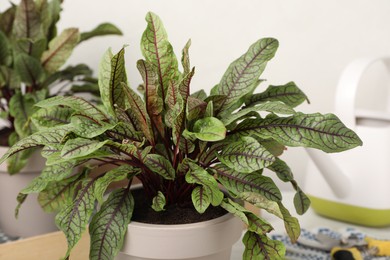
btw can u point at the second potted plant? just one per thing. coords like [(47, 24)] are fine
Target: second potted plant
[(197, 156), (32, 55)]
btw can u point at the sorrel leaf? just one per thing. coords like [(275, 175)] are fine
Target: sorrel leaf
[(50, 117), (158, 202), (109, 225), (324, 132), (60, 48), (241, 75), (246, 156), (29, 69), (237, 182), (73, 218), (209, 129), (200, 199), (271, 106), (282, 170), (301, 202), (261, 247), (79, 147), (100, 30), (159, 52), (27, 21), (158, 164), (289, 94)]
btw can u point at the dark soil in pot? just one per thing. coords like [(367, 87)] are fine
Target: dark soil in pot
[(4, 135), (173, 214)]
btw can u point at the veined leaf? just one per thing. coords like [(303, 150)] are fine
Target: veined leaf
[(33, 49), (291, 224), (29, 69), (123, 130), (88, 127), (271, 145), (50, 173), (19, 160), (289, 94), (60, 48), (111, 76), (237, 182), (301, 202), (241, 75), (209, 129), (153, 100), (185, 59), (260, 247), (116, 174), (50, 14), (27, 22), (79, 147), (273, 107), (160, 165), (158, 51), (184, 85), (21, 107), (75, 103), (324, 132), (200, 199), (58, 194), (282, 170), (50, 117), (175, 106), (158, 202), (140, 113), (101, 30), (208, 156), (73, 218), (198, 175), (7, 19), (253, 222), (109, 225), (5, 50), (52, 136), (260, 201), (196, 108), (200, 94), (246, 155)]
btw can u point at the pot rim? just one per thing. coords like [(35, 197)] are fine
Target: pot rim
[(195, 225)]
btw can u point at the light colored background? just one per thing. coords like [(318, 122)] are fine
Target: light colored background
[(317, 40)]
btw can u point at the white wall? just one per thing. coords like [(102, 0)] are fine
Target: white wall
[(317, 39)]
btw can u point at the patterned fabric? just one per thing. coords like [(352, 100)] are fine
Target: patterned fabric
[(309, 248)]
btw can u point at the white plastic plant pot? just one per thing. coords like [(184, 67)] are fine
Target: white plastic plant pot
[(32, 219), (208, 240)]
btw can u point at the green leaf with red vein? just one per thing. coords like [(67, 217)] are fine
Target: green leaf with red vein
[(289, 94), (60, 48), (50, 117), (273, 107), (241, 76), (139, 112), (29, 69), (100, 30), (282, 170), (160, 165), (237, 182), (158, 202), (108, 227), (301, 202), (158, 52), (260, 247), (253, 222), (198, 175), (74, 217), (58, 194), (246, 155), (79, 147), (111, 75), (48, 137), (76, 103), (196, 108), (200, 199), (324, 132), (291, 224), (185, 59), (27, 23)]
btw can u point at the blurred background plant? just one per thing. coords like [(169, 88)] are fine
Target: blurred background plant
[(32, 55)]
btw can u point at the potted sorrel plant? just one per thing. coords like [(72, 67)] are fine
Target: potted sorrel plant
[(197, 155), (32, 55)]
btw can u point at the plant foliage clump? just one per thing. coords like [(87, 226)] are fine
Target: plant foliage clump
[(32, 54), (183, 146)]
